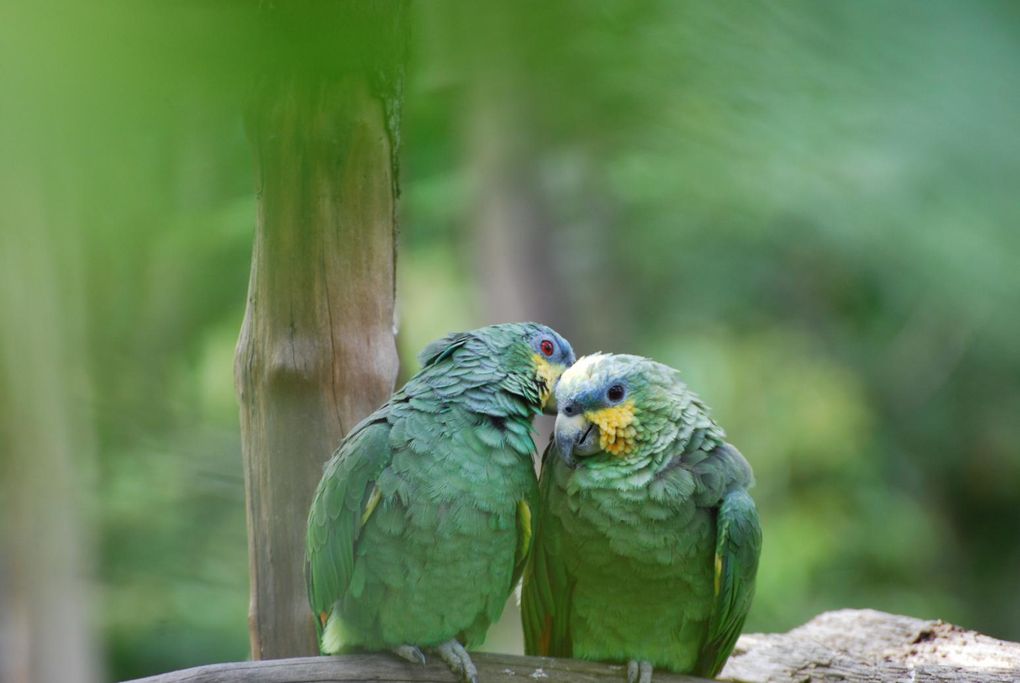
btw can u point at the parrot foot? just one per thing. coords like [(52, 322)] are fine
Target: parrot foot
[(639, 672), (410, 653), (459, 661)]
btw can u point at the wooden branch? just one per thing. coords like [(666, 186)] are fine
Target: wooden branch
[(864, 646), (492, 668), (855, 646)]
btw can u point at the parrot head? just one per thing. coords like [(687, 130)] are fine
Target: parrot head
[(549, 355), (612, 404), (532, 354)]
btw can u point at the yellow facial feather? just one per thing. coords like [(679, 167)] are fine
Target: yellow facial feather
[(617, 428), (547, 372)]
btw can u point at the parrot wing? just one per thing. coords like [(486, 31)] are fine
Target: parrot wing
[(738, 545), (525, 535), (547, 590), (344, 501)]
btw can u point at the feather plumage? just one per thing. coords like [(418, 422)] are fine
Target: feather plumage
[(421, 522), (646, 554)]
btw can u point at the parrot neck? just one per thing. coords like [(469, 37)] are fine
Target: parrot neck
[(662, 448)]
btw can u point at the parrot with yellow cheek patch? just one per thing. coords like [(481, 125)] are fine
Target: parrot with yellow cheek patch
[(647, 544), (422, 520)]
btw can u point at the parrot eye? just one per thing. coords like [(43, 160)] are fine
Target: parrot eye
[(547, 347), (615, 393)]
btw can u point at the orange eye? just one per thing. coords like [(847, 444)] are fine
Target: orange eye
[(547, 347)]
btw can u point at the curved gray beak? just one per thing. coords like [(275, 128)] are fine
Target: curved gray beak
[(575, 437)]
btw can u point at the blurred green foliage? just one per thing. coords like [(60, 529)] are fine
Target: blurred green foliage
[(810, 208)]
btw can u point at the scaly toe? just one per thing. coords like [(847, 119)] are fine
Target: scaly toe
[(646, 672), (410, 653), (459, 661), (632, 671)]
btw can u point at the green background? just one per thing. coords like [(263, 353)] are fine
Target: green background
[(809, 208)]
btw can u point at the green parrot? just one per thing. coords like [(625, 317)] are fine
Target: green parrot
[(422, 520), (647, 544)]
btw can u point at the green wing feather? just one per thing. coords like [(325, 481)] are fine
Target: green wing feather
[(546, 594), (738, 545), (344, 501), (441, 349)]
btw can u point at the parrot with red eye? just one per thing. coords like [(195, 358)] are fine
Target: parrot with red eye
[(422, 520), (647, 544)]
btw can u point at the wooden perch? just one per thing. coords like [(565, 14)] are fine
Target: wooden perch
[(849, 646), (492, 668)]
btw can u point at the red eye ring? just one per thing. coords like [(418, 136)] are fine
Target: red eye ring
[(547, 347)]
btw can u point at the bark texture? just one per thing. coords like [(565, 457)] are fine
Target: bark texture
[(865, 646), (316, 352), (492, 668)]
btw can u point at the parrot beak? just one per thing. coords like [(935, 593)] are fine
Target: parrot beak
[(549, 407), (575, 436)]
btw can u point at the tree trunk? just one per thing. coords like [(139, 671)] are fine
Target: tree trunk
[(46, 440), (316, 352)]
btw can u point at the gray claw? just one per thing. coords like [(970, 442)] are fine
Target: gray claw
[(410, 653), (459, 661), (639, 672)]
